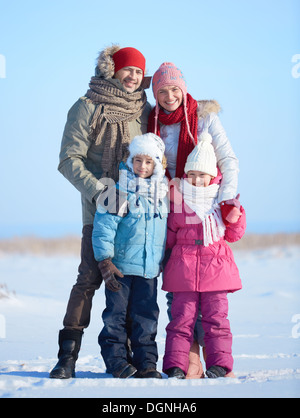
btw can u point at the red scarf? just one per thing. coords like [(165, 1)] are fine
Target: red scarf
[(185, 143)]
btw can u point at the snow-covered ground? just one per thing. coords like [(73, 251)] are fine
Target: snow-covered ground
[(265, 321)]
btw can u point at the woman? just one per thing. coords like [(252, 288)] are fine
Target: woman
[(179, 120)]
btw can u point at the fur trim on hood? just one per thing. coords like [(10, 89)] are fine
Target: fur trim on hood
[(106, 67), (105, 63), (207, 106)]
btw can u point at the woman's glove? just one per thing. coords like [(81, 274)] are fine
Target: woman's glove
[(230, 210), (234, 202), (108, 271)]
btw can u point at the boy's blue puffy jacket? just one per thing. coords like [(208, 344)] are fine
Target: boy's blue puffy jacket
[(134, 242)]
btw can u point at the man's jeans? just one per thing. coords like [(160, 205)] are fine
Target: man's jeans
[(88, 281)]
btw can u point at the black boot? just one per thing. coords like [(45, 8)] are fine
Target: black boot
[(216, 371), (124, 372), (175, 372), (148, 374), (69, 345)]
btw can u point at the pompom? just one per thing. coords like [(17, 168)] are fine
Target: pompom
[(205, 136)]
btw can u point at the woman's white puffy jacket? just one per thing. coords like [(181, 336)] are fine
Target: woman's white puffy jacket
[(227, 161)]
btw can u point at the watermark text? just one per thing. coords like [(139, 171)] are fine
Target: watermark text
[(296, 67)]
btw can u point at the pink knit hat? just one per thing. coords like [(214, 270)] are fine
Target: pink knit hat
[(169, 74)]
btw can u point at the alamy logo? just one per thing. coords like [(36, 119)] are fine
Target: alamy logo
[(296, 328), (2, 66), (296, 68)]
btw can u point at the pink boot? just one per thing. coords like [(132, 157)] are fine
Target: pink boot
[(195, 370)]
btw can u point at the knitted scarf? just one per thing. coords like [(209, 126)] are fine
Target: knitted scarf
[(154, 189), (185, 144), (203, 201), (110, 121)]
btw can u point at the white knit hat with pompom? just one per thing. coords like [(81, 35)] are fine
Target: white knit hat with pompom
[(151, 145), (203, 157)]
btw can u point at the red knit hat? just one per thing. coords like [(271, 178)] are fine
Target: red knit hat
[(126, 57)]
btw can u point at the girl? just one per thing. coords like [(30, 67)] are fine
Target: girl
[(201, 268), (179, 120), (129, 242)]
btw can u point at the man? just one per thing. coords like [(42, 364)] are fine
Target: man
[(99, 128)]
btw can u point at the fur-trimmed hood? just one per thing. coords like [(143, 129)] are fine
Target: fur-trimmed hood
[(105, 64), (205, 107), (106, 67)]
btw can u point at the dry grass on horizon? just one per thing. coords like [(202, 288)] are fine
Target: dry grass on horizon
[(70, 245)]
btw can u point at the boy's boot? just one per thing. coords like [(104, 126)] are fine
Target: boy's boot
[(69, 345), (124, 372), (195, 370), (148, 374)]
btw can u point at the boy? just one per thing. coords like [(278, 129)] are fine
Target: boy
[(129, 242)]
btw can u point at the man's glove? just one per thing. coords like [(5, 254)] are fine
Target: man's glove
[(108, 271), (166, 258)]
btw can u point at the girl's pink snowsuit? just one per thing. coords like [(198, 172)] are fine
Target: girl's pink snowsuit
[(197, 274)]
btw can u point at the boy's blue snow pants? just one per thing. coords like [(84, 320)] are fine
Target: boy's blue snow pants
[(136, 301)]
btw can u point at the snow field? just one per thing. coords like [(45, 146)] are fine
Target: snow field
[(264, 316)]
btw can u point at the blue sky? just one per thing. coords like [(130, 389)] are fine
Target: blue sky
[(244, 54)]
